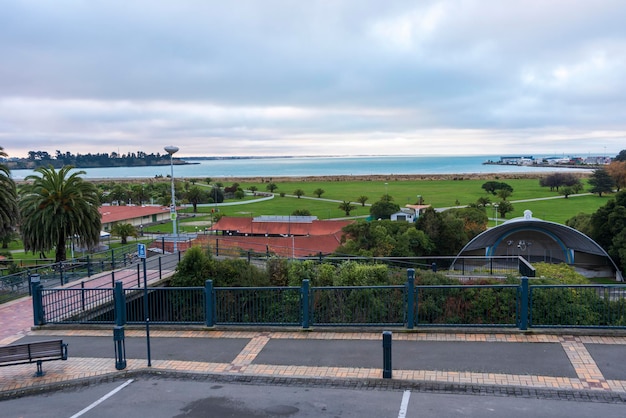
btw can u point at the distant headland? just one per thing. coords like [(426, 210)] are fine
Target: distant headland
[(37, 159)]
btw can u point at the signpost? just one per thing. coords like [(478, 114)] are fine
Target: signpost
[(141, 253)]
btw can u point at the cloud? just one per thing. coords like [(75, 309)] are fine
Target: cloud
[(317, 77)]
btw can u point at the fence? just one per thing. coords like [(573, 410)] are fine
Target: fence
[(519, 305), (59, 274)]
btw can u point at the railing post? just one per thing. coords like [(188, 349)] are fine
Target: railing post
[(217, 247), (82, 294), (112, 259), (61, 273), (386, 354), (118, 331), (35, 283), (304, 299), (89, 272), (120, 304), (523, 325), (160, 269), (410, 298), (209, 305), (163, 245)]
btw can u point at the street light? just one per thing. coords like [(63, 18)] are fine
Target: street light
[(170, 149), (495, 206)]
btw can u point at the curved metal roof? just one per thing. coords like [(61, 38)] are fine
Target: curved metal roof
[(574, 239)]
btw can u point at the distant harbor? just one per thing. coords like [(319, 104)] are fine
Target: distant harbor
[(276, 167), (591, 162)]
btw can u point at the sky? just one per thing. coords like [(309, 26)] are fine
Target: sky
[(333, 77)]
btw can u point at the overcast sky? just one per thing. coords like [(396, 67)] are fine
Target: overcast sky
[(308, 77)]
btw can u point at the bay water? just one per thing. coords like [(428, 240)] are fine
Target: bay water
[(276, 167)]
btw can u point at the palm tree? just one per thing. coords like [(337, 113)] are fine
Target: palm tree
[(124, 231), (362, 200), (298, 193), (347, 207), (55, 206), (8, 200), (195, 195), (318, 192)]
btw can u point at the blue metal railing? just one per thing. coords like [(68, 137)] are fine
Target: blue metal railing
[(409, 305), (585, 306)]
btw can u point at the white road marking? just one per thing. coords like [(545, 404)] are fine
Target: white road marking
[(102, 399), (405, 404)]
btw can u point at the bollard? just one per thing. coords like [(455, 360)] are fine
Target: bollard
[(118, 329), (386, 354), (35, 283), (209, 306), (120, 347)]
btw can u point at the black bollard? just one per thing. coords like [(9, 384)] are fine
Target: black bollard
[(386, 354)]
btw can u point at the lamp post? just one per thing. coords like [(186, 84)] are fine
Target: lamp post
[(170, 149), (495, 206)]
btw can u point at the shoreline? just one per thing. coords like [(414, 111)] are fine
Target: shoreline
[(343, 177)]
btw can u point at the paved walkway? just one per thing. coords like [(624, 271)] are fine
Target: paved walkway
[(507, 361), (592, 365)]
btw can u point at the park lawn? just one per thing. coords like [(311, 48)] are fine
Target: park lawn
[(439, 193), (559, 210)]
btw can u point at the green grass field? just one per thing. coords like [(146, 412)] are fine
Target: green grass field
[(438, 193)]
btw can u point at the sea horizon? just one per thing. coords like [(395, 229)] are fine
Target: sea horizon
[(311, 166)]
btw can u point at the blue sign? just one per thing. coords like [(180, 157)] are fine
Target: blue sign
[(141, 250)]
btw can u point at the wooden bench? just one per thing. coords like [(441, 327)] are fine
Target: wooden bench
[(36, 352)]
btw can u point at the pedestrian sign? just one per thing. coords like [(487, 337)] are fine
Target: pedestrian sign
[(141, 250)]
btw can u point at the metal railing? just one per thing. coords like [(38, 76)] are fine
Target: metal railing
[(511, 305), (588, 306)]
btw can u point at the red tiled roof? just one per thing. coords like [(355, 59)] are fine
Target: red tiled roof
[(296, 246), (248, 226), (121, 213)]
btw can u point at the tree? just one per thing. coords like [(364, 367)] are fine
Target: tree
[(298, 193), (301, 212), (617, 170), (608, 227), (318, 192), (9, 212), (56, 206), (581, 222), (445, 230), (383, 209), (216, 195), (124, 231), (503, 193), (483, 202), (559, 179), (195, 195), (601, 182), (347, 207), (493, 187), (474, 220), (362, 200), (271, 187), (253, 189), (505, 207), (621, 156)]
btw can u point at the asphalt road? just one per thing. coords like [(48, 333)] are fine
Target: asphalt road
[(159, 398)]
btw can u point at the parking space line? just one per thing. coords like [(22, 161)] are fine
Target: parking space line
[(102, 399), (404, 406)]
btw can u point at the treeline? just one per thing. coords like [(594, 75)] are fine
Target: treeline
[(59, 159)]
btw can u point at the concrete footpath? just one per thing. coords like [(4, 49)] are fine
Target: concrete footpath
[(538, 364)]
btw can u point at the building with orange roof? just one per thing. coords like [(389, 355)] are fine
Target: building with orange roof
[(134, 215)]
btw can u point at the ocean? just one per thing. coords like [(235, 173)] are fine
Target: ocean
[(277, 167)]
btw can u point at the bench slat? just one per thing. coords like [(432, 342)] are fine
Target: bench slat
[(41, 350)]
